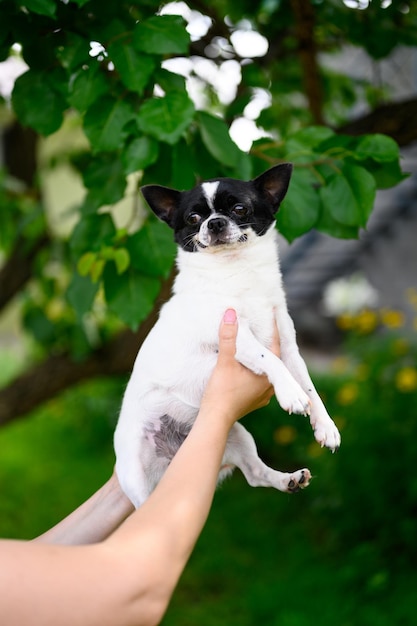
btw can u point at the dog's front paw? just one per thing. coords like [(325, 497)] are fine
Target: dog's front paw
[(327, 434), (293, 399), (298, 480)]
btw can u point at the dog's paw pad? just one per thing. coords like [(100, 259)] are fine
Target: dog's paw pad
[(299, 480)]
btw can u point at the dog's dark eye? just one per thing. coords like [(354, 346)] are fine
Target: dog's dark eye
[(240, 210), (193, 218)]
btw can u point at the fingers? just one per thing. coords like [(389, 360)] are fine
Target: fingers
[(228, 334)]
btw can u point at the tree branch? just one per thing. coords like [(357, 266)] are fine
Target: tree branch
[(59, 372), (393, 119)]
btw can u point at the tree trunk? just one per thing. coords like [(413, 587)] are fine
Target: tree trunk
[(307, 51), (18, 267)]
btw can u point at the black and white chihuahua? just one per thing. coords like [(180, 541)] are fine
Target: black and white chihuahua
[(227, 258)]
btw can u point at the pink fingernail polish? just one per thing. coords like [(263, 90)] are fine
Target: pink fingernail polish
[(230, 316)]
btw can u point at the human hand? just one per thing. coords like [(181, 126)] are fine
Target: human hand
[(233, 389)]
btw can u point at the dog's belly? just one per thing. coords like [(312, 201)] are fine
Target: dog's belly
[(173, 382)]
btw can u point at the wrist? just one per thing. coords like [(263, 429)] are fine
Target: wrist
[(221, 418)]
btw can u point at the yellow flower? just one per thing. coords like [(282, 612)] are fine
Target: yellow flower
[(406, 379), (285, 435), (392, 319), (347, 394), (345, 321), (411, 294), (340, 364), (362, 372), (366, 321), (400, 346)]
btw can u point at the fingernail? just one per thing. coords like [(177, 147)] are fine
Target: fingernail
[(230, 316)]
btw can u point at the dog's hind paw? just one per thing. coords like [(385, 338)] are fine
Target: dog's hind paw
[(298, 480)]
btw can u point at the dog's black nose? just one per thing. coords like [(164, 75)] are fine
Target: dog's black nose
[(217, 224)]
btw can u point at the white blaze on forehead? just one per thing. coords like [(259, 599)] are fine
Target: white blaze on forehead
[(209, 191)]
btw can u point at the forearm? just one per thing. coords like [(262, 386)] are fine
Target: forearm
[(94, 520), (173, 516), (128, 578)]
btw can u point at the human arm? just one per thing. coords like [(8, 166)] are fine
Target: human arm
[(94, 520), (129, 578)]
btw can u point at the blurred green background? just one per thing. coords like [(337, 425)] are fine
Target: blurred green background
[(341, 552)]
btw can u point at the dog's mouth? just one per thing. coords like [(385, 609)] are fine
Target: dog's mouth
[(219, 240), (219, 231)]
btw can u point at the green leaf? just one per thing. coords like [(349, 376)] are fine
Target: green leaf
[(42, 7), (74, 52), (86, 262), (312, 136), (135, 69), (162, 34), (304, 146), (122, 259), (37, 103), (104, 124), (169, 81), (216, 138), (166, 118), (81, 293), (386, 174), (338, 146), (97, 269), (91, 233), (87, 86), (349, 196), (152, 249), (184, 166), (377, 147), (300, 209), (363, 187), (105, 179), (205, 165), (327, 224), (255, 76), (130, 295), (338, 199), (39, 325), (139, 154)]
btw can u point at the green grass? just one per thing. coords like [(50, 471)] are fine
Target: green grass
[(343, 552), (53, 460)]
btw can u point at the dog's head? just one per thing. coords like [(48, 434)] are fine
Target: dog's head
[(221, 212)]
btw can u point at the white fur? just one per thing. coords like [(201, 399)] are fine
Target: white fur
[(176, 360), (210, 190)]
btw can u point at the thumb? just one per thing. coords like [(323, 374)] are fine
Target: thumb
[(228, 334)]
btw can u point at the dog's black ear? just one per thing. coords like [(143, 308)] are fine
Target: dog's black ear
[(162, 200), (274, 183)]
